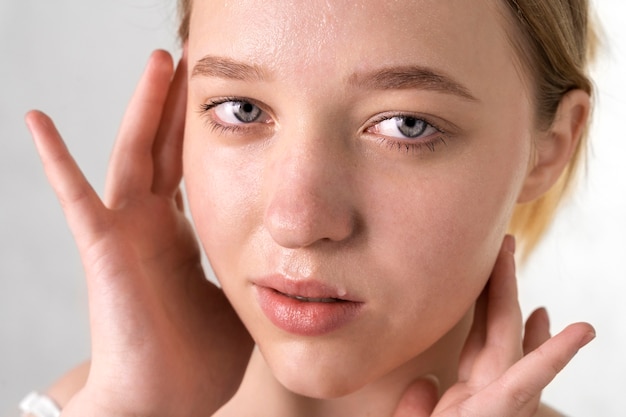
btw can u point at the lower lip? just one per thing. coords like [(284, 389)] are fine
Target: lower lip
[(305, 318)]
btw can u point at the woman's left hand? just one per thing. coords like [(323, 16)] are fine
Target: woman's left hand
[(501, 373)]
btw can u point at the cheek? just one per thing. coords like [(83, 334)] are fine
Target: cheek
[(222, 191), (441, 232)]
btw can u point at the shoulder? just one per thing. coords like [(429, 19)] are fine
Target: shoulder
[(545, 411), (69, 384)]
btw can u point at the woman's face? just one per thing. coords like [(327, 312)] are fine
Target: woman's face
[(351, 169)]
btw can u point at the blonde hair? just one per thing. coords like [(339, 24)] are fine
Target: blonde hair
[(555, 43), (184, 15)]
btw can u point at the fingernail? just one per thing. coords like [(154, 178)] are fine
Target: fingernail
[(33, 117), (546, 316), (588, 337), (509, 244), (433, 379)]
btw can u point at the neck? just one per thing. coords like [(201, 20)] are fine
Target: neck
[(261, 395)]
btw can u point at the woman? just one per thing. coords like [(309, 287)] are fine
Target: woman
[(352, 189)]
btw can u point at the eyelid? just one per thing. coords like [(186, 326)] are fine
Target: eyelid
[(407, 144), (214, 102), (441, 126), (221, 126)]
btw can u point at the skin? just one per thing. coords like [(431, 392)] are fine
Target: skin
[(312, 192), (308, 191), (318, 198)]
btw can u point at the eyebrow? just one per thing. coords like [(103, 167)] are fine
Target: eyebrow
[(410, 77), (392, 78), (221, 67)]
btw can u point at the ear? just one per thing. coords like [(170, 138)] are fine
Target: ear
[(554, 148)]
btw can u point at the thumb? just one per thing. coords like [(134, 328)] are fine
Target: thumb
[(419, 399)]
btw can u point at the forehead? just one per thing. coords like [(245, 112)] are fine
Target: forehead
[(323, 38)]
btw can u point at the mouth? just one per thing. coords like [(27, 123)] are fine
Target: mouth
[(305, 308), (314, 300), (305, 290)]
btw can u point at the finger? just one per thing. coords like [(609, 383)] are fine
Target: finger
[(524, 381), (131, 168), (475, 341), (81, 204), (494, 342), (86, 216), (168, 148), (419, 399), (503, 345), (537, 330)]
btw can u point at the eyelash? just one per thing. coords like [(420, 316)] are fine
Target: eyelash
[(407, 146), (216, 126)]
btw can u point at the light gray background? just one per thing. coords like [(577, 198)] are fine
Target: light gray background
[(79, 60)]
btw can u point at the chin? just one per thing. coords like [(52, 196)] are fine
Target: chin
[(320, 381), (323, 389)]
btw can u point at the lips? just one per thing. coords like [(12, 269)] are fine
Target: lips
[(315, 300), (305, 307)]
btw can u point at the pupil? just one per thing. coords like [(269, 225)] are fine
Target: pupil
[(246, 112), (410, 126), (247, 107)]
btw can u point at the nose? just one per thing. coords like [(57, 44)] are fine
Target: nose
[(309, 191)]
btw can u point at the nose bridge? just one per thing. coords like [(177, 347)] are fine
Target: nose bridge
[(308, 188)]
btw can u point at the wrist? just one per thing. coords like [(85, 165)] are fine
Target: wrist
[(37, 405)]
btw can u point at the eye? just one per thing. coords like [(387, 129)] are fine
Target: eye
[(234, 115), (406, 132), (237, 112), (404, 127)]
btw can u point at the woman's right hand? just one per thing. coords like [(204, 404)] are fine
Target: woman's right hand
[(165, 341)]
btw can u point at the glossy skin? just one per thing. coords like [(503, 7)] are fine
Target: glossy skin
[(313, 195), (311, 190)]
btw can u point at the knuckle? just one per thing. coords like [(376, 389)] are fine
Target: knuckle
[(519, 396)]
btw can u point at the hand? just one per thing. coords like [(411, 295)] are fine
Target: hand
[(165, 341), (500, 374)]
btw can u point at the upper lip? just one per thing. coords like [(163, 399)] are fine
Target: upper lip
[(307, 289)]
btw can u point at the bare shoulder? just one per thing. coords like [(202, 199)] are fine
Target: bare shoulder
[(545, 411), (69, 384)]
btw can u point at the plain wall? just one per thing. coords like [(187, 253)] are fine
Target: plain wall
[(79, 60)]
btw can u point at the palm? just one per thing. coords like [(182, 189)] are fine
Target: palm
[(159, 329)]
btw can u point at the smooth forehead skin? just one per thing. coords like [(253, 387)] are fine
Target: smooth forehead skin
[(308, 43)]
